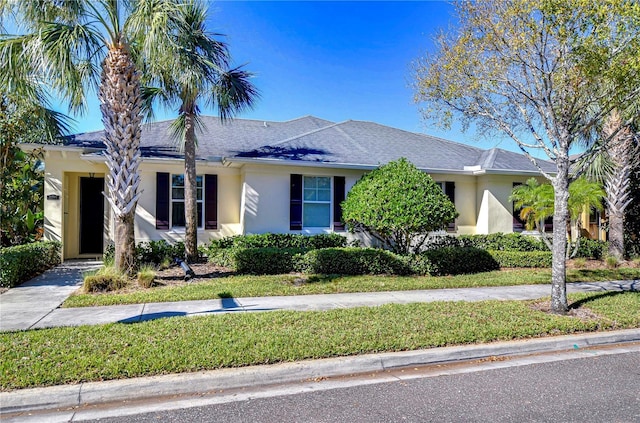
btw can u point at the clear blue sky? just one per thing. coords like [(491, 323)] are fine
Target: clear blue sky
[(333, 60)]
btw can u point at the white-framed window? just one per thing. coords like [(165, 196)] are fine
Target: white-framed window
[(177, 201), (316, 203)]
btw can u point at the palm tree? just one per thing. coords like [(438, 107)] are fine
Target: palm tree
[(197, 72), (536, 203), (612, 167), (76, 45)]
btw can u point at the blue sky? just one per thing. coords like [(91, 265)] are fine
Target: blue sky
[(333, 60)]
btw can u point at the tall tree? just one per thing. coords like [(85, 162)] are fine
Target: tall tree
[(77, 45), (542, 73), (196, 72), (612, 167)]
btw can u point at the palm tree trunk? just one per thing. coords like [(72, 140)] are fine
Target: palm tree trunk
[(120, 104), (617, 184), (190, 190)]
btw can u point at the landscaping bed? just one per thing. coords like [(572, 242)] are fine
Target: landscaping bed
[(216, 282)]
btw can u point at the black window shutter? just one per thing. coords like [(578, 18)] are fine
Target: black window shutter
[(162, 200), (338, 197), (295, 203), (450, 191), (211, 201)]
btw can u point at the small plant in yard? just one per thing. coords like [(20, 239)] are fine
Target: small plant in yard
[(612, 262), (146, 276), (580, 262), (105, 279)]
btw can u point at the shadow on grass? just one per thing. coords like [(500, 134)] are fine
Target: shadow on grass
[(577, 304)]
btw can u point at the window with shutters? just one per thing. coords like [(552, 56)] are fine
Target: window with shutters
[(316, 203), (177, 201)]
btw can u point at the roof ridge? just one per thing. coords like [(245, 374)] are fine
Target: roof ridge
[(305, 134), (488, 158)]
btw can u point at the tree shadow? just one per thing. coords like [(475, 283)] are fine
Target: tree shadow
[(577, 304)]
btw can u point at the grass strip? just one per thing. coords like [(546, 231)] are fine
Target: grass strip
[(259, 286), (185, 344)]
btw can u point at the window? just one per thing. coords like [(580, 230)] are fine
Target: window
[(316, 206), (311, 199), (177, 200), (449, 188), (518, 223)]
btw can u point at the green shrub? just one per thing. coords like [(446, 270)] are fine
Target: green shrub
[(453, 261), (352, 261), (592, 248), (223, 257), (442, 241), (158, 251), (397, 203), (504, 242), (22, 262), (104, 279), (150, 252), (263, 261), (522, 258)]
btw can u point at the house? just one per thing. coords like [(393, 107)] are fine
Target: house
[(257, 177)]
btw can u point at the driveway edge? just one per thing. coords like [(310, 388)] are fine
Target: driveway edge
[(94, 393)]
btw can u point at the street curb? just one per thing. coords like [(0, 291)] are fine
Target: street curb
[(93, 393)]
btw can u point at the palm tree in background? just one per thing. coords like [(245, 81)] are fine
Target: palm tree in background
[(196, 72), (612, 167), (536, 203), (75, 46)]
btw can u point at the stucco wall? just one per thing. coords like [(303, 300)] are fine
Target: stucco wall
[(265, 204), (493, 206), (228, 201)]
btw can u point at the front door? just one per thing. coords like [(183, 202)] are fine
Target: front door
[(91, 215)]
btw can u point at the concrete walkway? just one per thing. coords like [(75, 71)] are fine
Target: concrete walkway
[(25, 305), (35, 304)]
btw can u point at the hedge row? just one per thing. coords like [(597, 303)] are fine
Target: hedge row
[(589, 248), (361, 261), (22, 262), (522, 258), (269, 240)]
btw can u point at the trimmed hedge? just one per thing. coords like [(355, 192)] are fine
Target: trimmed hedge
[(22, 262), (504, 242), (264, 261), (269, 240), (592, 249), (453, 261), (353, 261), (522, 258)]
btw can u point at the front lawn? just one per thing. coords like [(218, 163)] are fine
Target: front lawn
[(186, 344), (255, 286)]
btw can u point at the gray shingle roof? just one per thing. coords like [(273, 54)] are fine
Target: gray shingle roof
[(310, 139)]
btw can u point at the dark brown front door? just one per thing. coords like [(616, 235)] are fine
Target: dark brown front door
[(91, 215)]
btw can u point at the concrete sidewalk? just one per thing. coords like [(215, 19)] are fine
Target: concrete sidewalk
[(25, 305), (35, 304)]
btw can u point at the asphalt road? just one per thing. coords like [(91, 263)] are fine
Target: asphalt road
[(593, 389)]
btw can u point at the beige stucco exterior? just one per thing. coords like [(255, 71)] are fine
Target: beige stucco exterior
[(252, 197)]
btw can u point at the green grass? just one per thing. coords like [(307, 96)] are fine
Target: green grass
[(183, 344), (257, 286)]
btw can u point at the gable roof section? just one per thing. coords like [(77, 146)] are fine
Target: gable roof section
[(313, 141)]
